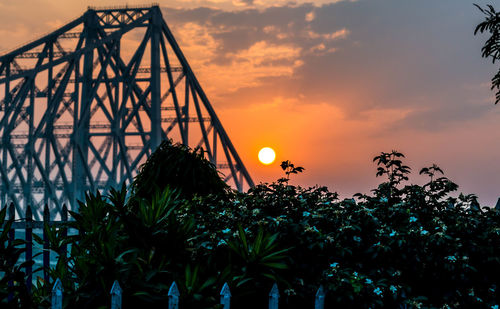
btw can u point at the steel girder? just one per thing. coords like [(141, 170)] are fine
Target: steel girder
[(81, 112)]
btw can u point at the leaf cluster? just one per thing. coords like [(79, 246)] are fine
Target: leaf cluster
[(13, 289), (491, 48), (177, 166)]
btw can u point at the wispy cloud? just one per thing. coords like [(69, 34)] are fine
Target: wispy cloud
[(261, 4), (339, 34)]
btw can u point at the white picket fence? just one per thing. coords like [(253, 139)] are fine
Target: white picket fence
[(173, 296)]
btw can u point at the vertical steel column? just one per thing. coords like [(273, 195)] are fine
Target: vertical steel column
[(117, 120), (3, 147), (30, 147), (155, 25), (76, 106), (214, 146), (81, 147), (49, 125), (185, 111)]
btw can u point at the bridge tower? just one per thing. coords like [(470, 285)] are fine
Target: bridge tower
[(84, 106)]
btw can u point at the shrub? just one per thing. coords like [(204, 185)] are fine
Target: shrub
[(179, 167), (13, 289), (400, 244)]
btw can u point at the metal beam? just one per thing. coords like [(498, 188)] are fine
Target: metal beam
[(84, 118)]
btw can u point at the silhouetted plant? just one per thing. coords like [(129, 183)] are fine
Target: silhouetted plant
[(13, 290), (491, 48), (390, 164), (142, 244), (179, 167), (419, 246), (289, 169), (401, 244)]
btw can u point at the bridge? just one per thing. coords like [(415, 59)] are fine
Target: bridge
[(81, 109)]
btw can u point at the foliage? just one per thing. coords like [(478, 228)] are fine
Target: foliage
[(289, 169), (124, 241), (13, 289), (401, 244), (150, 239), (404, 244), (491, 48), (178, 166)]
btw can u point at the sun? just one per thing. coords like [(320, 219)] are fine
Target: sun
[(267, 155)]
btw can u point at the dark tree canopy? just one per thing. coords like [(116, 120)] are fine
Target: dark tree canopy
[(491, 48), (179, 167)]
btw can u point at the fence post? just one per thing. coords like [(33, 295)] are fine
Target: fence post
[(173, 296), (274, 296), (64, 219), (12, 215), (116, 296), (46, 252), (225, 297), (57, 295), (29, 247), (319, 302)]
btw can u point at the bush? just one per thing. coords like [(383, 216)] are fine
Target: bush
[(13, 289), (150, 239), (404, 244), (400, 244), (178, 166)]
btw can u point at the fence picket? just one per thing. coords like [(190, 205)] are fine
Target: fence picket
[(12, 215), (64, 218), (319, 302), (274, 296), (29, 247), (225, 297), (46, 252), (57, 295), (116, 296), (173, 296)]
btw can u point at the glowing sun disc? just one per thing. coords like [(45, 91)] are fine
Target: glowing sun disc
[(267, 155)]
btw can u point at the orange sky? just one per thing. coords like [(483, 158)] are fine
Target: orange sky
[(330, 84)]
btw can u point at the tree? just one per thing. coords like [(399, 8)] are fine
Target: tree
[(491, 48), (179, 167)]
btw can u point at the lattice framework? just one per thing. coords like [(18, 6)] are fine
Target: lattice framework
[(80, 112)]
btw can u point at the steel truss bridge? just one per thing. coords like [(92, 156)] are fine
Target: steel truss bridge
[(84, 106)]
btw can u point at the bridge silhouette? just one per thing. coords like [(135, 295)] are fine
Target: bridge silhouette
[(84, 106)]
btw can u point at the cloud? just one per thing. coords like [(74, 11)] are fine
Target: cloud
[(339, 34), (198, 42), (362, 55), (250, 67), (310, 16), (243, 2), (260, 4), (321, 49), (251, 48), (265, 53)]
